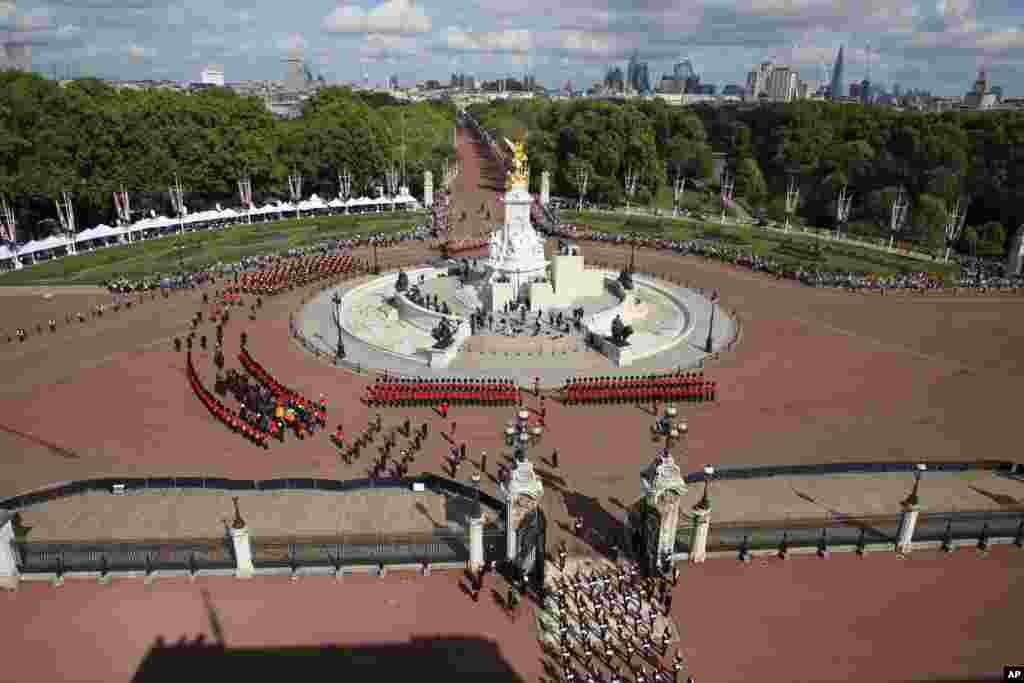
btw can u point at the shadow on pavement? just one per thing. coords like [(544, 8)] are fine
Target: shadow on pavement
[(467, 659)]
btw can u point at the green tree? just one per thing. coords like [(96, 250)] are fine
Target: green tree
[(969, 240), (928, 220), (749, 180), (992, 239)]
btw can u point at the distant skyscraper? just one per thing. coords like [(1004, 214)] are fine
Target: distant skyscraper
[(683, 70), (866, 94), (837, 76), (18, 57), (757, 80), (632, 70), (212, 75), (295, 75), (782, 84)]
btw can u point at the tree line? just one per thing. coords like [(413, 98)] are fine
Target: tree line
[(822, 146), (90, 139)]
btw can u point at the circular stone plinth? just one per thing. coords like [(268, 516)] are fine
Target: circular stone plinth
[(670, 331)]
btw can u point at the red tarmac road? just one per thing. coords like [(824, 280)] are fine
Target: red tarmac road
[(818, 377), (877, 618)]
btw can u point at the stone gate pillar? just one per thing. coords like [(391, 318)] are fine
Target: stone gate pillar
[(428, 189), (476, 544), (244, 568), (545, 188), (9, 574), (699, 541), (905, 543), (911, 508), (522, 494), (664, 488)]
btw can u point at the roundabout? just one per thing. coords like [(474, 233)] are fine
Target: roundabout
[(532, 310), (820, 377)]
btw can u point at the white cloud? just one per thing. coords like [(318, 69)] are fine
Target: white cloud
[(518, 41), (588, 44), (379, 47), (969, 36), (839, 15), (392, 17)]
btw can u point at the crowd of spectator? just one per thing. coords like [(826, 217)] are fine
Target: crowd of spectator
[(976, 275)]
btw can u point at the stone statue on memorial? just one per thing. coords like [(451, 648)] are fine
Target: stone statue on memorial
[(520, 172), (626, 278), (443, 334), (620, 332), (403, 281)]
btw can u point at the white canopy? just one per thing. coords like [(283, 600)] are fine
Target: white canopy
[(312, 204), (101, 231), (336, 203), (51, 242), (5, 252), (228, 213)]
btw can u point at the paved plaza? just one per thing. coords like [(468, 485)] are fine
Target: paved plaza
[(817, 377), (188, 513)]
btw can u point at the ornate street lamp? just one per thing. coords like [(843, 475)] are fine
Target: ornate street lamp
[(919, 470), (705, 501)]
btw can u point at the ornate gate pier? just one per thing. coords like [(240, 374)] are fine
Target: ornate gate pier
[(525, 523), (654, 519)]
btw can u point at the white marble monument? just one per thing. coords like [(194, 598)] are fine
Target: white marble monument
[(516, 251), (516, 260)]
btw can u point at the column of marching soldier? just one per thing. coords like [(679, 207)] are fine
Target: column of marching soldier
[(400, 464), (689, 386), (615, 613)]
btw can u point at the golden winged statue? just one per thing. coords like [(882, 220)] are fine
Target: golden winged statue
[(520, 173)]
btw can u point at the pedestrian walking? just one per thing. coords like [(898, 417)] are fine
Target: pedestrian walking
[(578, 527), (554, 458), (453, 424), (483, 461)]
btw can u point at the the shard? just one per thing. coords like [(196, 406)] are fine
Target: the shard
[(836, 88)]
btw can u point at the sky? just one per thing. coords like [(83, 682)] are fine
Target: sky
[(936, 46)]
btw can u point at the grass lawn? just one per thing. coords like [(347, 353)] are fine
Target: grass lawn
[(793, 249), (199, 249)]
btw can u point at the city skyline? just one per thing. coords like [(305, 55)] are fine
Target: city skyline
[(937, 46)]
